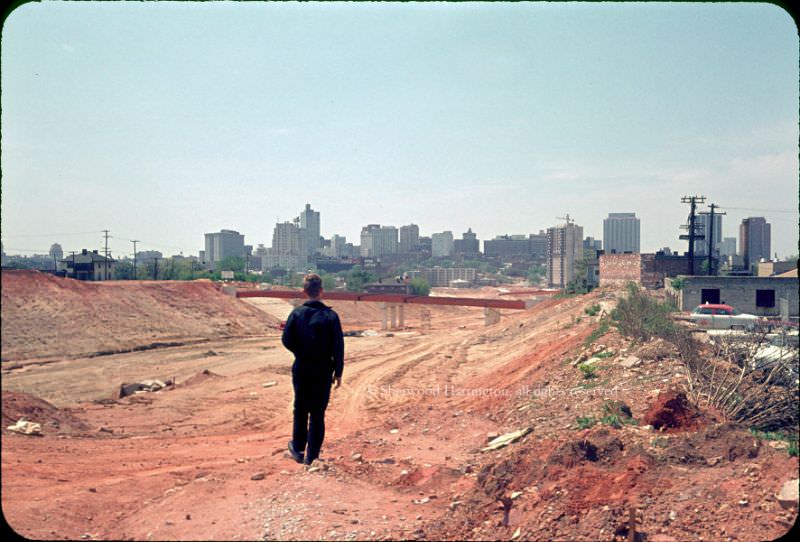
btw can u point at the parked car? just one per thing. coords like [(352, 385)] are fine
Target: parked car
[(718, 316)]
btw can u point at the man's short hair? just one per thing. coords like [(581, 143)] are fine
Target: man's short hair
[(312, 284)]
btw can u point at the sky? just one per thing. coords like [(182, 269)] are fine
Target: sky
[(163, 121)]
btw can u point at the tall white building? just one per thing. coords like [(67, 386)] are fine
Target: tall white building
[(289, 248), (377, 240), (442, 244), (621, 233), (564, 249), (309, 221)]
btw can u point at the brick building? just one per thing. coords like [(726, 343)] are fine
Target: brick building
[(648, 270)]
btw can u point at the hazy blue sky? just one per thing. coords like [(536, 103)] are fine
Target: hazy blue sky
[(163, 121)]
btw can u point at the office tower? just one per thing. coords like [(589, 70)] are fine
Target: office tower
[(309, 221), (289, 248), (621, 233), (222, 244), (409, 238), (754, 240), (377, 240), (468, 245), (702, 222), (727, 247), (442, 244)]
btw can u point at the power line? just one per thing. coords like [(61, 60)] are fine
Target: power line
[(759, 210)]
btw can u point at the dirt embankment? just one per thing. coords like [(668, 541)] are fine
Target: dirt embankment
[(405, 454), (46, 316)]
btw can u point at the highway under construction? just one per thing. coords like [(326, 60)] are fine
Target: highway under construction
[(392, 305)]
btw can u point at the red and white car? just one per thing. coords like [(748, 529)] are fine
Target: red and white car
[(718, 316)]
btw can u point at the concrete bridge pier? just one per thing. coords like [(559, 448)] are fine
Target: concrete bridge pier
[(384, 314)]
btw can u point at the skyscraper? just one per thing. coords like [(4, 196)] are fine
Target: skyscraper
[(621, 233), (564, 249), (468, 245), (442, 244), (377, 240), (702, 222), (222, 244), (289, 247), (754, 240), (409, 237), (309, 221)]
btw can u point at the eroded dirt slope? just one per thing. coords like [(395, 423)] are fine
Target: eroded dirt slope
[(44, 316)]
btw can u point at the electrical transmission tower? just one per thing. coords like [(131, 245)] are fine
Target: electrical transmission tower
[(692, 234)]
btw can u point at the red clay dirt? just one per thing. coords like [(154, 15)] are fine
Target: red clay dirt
[(403, 459), (672, 410)]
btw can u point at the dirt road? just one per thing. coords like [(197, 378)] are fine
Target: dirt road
[(206, 460)]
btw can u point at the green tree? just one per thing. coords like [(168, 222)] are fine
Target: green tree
[(357, 277), (328, 282), (535, 274), (231, 263), (123, 270), (420, 286)]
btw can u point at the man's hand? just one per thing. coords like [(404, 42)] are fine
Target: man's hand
[(337, 380)]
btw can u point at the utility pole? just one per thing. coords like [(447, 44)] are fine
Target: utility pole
[(692, 236), (134, 257), (106, 252), (710, 215), (74, 274)]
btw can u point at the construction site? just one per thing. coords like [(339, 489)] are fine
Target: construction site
[(161, 410)]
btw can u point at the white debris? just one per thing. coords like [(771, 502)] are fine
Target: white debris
[(788, 497), (26, 427), (505, 440), (269, 384)]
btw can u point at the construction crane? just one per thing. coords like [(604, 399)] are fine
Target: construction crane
[(567, 219)]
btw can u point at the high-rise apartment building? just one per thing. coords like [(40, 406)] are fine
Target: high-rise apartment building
[(377, 240), (222, 244), (309, 221), (621, 233), (754, 240), (442, 244), (564, 249), (409, 238)]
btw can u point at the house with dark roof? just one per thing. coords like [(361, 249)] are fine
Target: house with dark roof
[(88, 265)]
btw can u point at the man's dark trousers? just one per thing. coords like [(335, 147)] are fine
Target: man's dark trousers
[(311, 394)]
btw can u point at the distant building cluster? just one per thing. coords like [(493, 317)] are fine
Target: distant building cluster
[(558, 256)]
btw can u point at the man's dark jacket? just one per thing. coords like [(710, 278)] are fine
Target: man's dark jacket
[(313, 333)]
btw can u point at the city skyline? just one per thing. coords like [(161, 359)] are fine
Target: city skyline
[(163, 122)]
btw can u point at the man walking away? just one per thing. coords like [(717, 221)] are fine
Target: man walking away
[(313, 333)]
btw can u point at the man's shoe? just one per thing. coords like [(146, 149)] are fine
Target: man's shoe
[(297, 456)]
